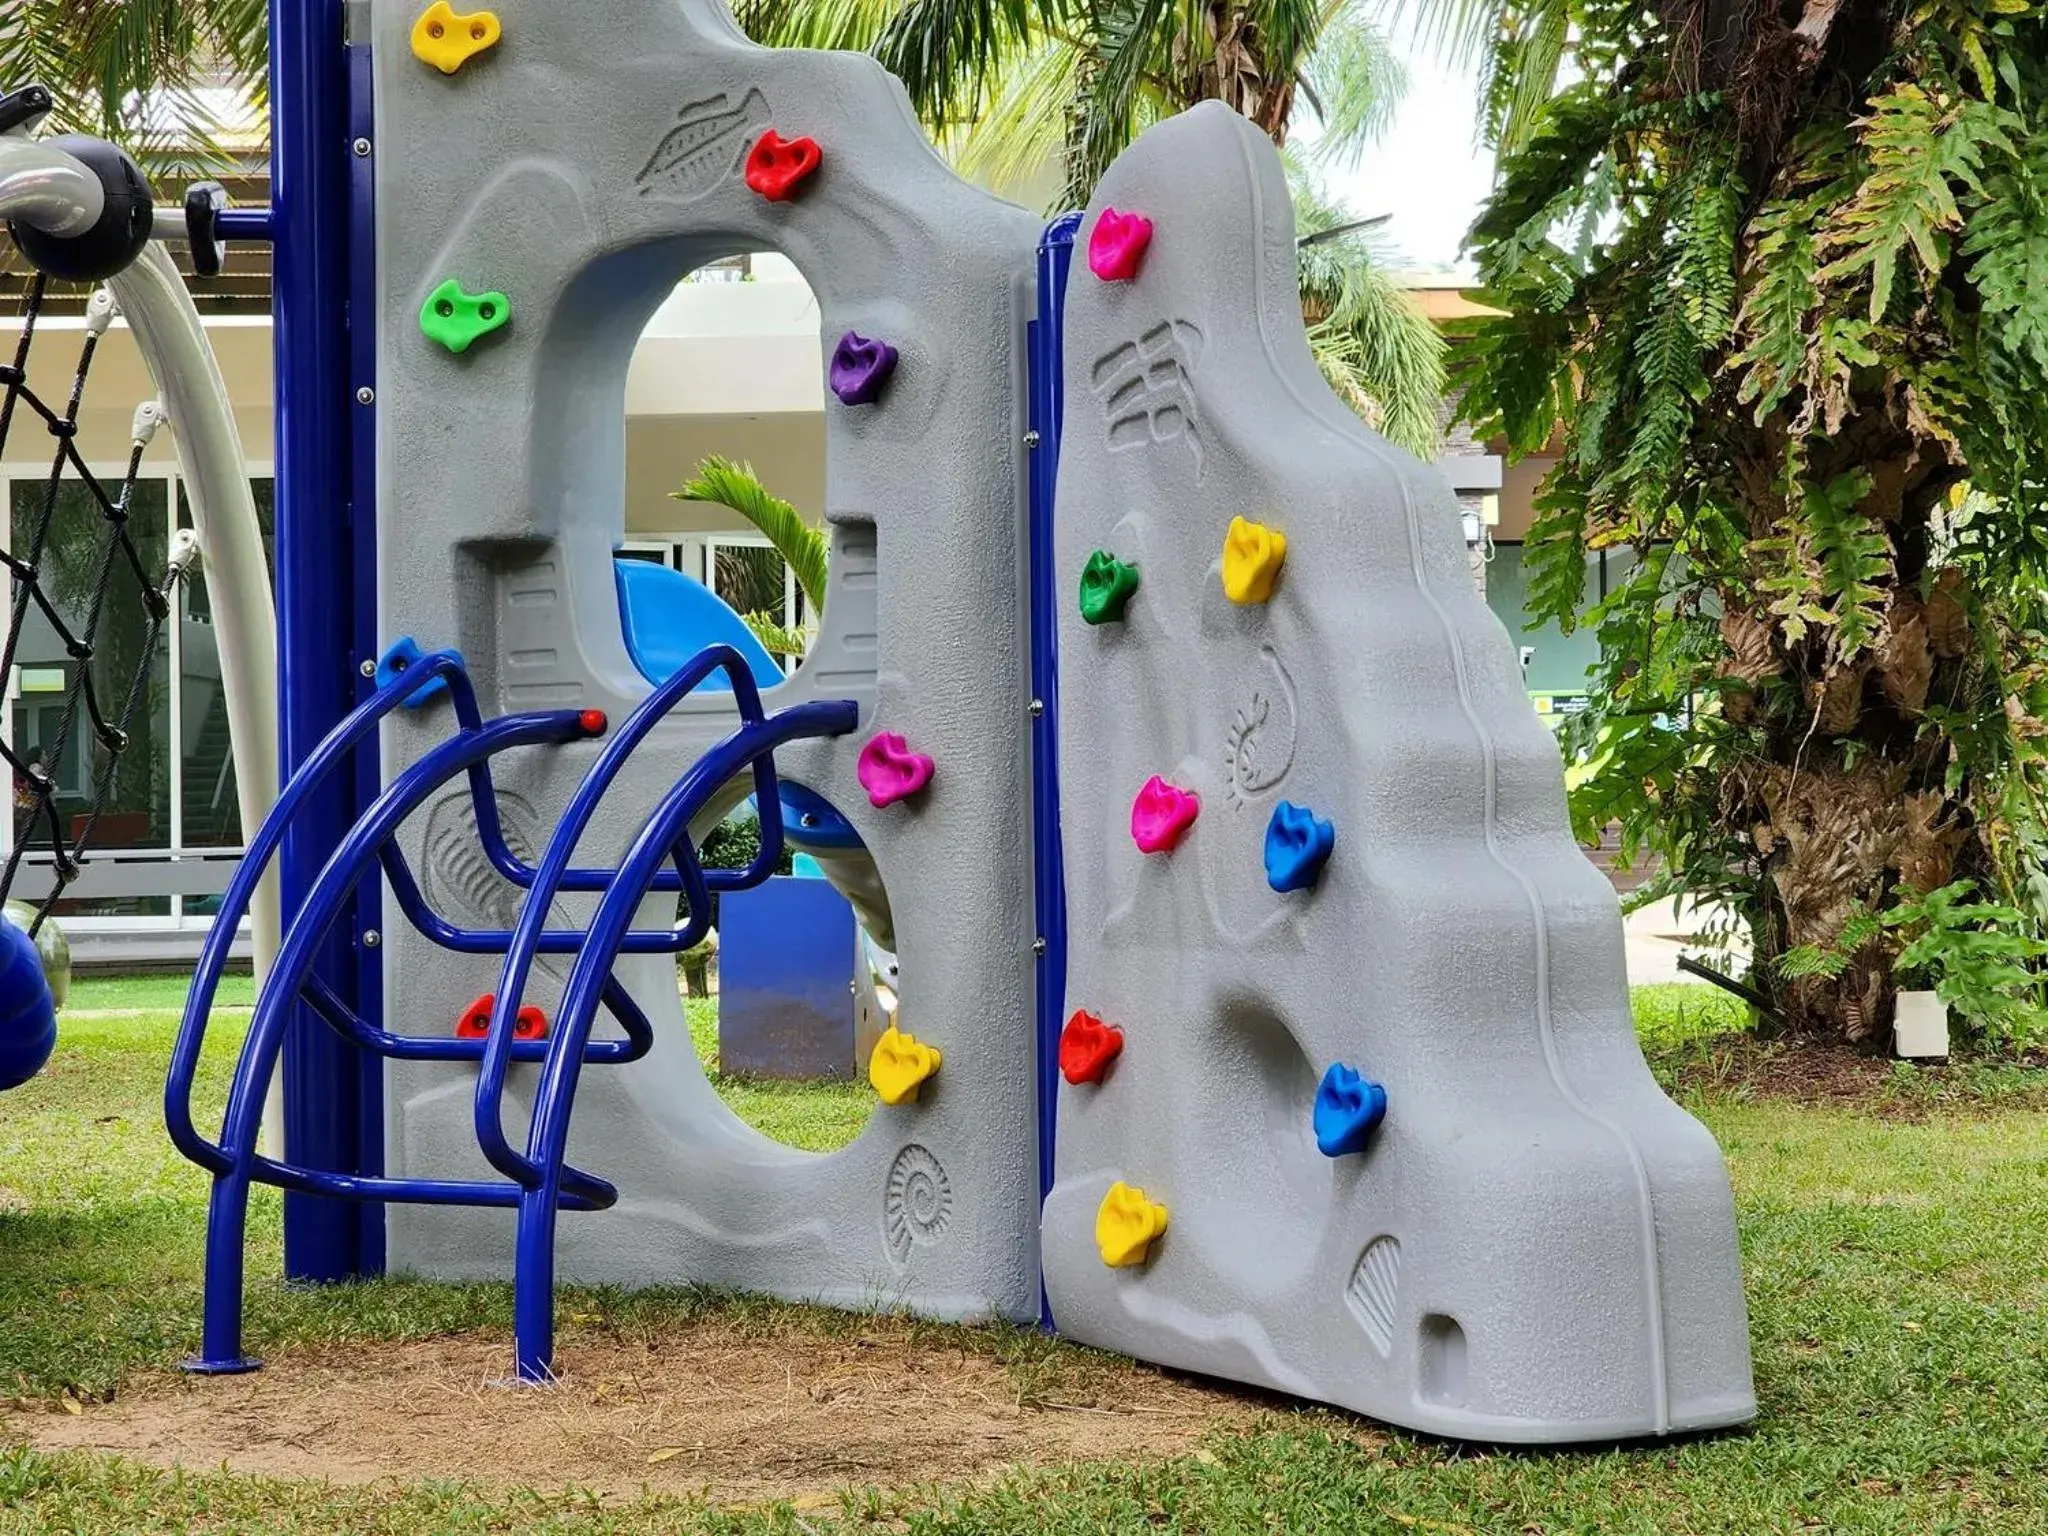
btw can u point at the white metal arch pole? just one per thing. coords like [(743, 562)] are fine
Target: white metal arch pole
[(167, 330), (50, 190)]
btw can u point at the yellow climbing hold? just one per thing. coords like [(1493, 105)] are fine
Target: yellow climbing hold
[(1252, 553), (448, 41), (900, 1065), (1126, 1225)]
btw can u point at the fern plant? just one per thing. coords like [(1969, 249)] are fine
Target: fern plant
[(1776, 280)]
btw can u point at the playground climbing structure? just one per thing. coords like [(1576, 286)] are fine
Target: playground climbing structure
[(1255, 1002)]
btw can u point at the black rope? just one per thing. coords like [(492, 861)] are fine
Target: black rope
[(38, 825)]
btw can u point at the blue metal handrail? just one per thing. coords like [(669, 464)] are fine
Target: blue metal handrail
[(333, 750), (554, 875), (662, 838), (235, 1161)]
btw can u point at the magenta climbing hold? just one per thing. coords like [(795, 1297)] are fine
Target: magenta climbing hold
[(889, 771), (860, 369), (1161, 814), (1116, 246)]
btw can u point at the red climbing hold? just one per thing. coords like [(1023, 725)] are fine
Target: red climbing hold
[(1087, 1047), (475, 1023), (776, 166)]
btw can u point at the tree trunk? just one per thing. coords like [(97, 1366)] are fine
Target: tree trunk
[(1846, 802)]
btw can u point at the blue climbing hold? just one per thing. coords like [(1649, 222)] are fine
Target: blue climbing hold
[(28, 1012), (1348, 1109), (1297, 847), (405, 652)]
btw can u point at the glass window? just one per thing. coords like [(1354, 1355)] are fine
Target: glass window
[(137, 813), (211, 812), (1554, 662), (752, 578)]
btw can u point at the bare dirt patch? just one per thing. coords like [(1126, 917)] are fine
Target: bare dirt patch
[(1834, 1075), (735, 1415)]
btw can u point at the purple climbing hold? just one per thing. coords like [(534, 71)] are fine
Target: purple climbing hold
[(860, 368)]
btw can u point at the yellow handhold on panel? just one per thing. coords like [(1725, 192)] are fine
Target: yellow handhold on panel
[(900, 1065), (448, 41), (1252, 553), (1126, 1225)]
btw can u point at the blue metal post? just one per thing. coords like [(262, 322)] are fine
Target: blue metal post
[(328, 1084), (1048, 585)]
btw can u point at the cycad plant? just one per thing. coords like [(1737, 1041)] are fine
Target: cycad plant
[(1778, 284)]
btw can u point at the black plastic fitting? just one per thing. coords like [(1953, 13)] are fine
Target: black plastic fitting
[(124, 226)]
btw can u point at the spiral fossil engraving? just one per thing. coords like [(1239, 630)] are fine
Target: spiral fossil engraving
[(917, 1203)]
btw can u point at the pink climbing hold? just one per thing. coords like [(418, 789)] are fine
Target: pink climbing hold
[(1161, 814), (1117, 245), (889, 771)]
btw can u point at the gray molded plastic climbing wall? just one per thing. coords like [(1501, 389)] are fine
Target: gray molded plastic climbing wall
[(581, 167), (1535, 1244)]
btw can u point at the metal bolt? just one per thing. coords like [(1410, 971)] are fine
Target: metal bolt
[(366, 396), (1031, 438), (1037, 708), (1038, 946), (368, 668), (362, 149), (372, 938)]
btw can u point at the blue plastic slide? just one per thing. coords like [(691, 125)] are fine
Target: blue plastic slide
[(668, 618)]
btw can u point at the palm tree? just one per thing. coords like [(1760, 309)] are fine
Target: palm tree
[(1013, 86), (722, 482), (134, 70)]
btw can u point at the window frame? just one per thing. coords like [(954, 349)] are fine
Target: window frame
[(167, 474)]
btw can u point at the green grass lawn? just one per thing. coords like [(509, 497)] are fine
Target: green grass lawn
[(1898, 1285), (153, 994)]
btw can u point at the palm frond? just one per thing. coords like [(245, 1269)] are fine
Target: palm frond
[(948, 53), (1130, 38), (132, 72), (1025, 127), (777, 638), (1373, 343), (1460, 31), (722, 482), (849, 24), (1354, 82)]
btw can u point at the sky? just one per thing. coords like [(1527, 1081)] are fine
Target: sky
[(1428, 172)]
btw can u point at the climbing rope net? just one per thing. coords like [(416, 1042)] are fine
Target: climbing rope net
[(101, 707)]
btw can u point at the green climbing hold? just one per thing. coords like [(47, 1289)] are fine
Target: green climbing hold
[(1106, 586), (458, 319)]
